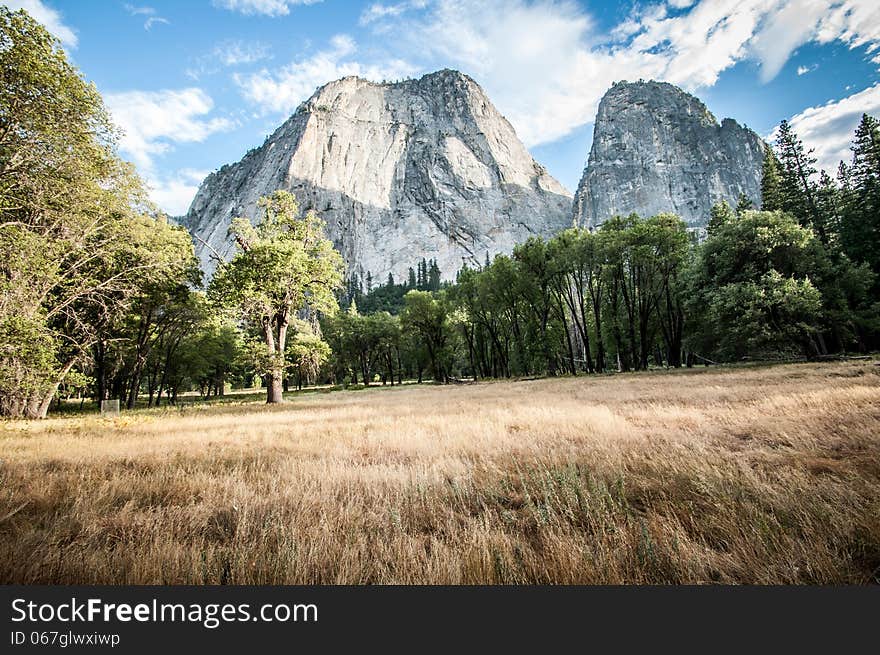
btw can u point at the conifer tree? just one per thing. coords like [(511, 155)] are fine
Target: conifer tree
[(721, 213), (743, 204), (798, 190), (860, 191), (434, 276), (770, 193)]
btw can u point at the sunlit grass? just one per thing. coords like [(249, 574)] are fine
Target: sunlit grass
[(760, 475)]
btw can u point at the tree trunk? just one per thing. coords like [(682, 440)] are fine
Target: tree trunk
[(274, 378), (274, 388), (40, 408)]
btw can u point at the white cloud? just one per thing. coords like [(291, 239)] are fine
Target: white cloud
[(546, 67), (149, 12), (229, 53), (49, 17), (829, 128), (803, 70), (263, 7), (283, 90), (378, 10), (175, 193), (142, 11), (153, 20), (153, 121), (784, 29), (236, 53)]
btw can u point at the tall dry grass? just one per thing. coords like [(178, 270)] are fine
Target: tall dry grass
[(764, 475)]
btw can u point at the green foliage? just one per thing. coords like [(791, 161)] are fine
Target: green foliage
[(425, 316), (284, 265), (307, 353), (797, 186), (389, 296), (771, 195), (77, 248), (751, 290), (860, 197), (721, 213), (98, 291)]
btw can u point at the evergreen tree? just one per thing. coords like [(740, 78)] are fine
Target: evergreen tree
[(771, 199), (828, 199), (860, 196), (411, 280), (390, 282), (369, 282), (434, 276), (721, 213), (798, 190), (422, 282), (743, 204), (866, 153)]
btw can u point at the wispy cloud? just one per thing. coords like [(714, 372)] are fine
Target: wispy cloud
[(152, 122), (829, 128), (229, 54), (546, 65), (50, 18), (280, 91), (174, 193), (149, 12), (378, 10), (139, 11), (262, 7), (153, 20), (803, 70)]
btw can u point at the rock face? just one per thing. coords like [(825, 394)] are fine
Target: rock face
[(658, 149), (421, 168)]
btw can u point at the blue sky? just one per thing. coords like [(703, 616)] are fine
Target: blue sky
[(194, 84)]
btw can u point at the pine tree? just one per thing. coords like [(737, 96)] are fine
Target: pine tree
[(828, 198), (866, 154), (411, 280), (369, 281), (770, 193), (797, 188), (390, 282), (860, 196), (434, 276), (422, 282), (488, 262), (743, 204), (721, 213)]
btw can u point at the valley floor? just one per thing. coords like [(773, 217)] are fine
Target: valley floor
[(741, 475)]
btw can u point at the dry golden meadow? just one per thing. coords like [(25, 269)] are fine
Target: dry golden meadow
[(743, 475)]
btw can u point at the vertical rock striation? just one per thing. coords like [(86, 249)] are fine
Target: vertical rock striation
[(420, 168), (658, 149)]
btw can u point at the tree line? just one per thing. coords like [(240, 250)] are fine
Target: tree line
[(102, 296)]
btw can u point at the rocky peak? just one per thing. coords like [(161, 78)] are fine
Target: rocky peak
[(399, 171), (659, 149)]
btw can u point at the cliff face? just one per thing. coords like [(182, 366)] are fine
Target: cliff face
[(658, 149), (421, 168)]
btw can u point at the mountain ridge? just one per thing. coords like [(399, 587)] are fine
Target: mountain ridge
[(399, 171), (657, 148)]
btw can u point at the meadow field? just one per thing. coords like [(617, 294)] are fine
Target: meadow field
[(734, 475)]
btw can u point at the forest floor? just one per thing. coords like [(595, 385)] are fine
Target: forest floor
[(733, 475)]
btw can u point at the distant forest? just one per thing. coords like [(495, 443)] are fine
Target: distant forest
[(102, 296)]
